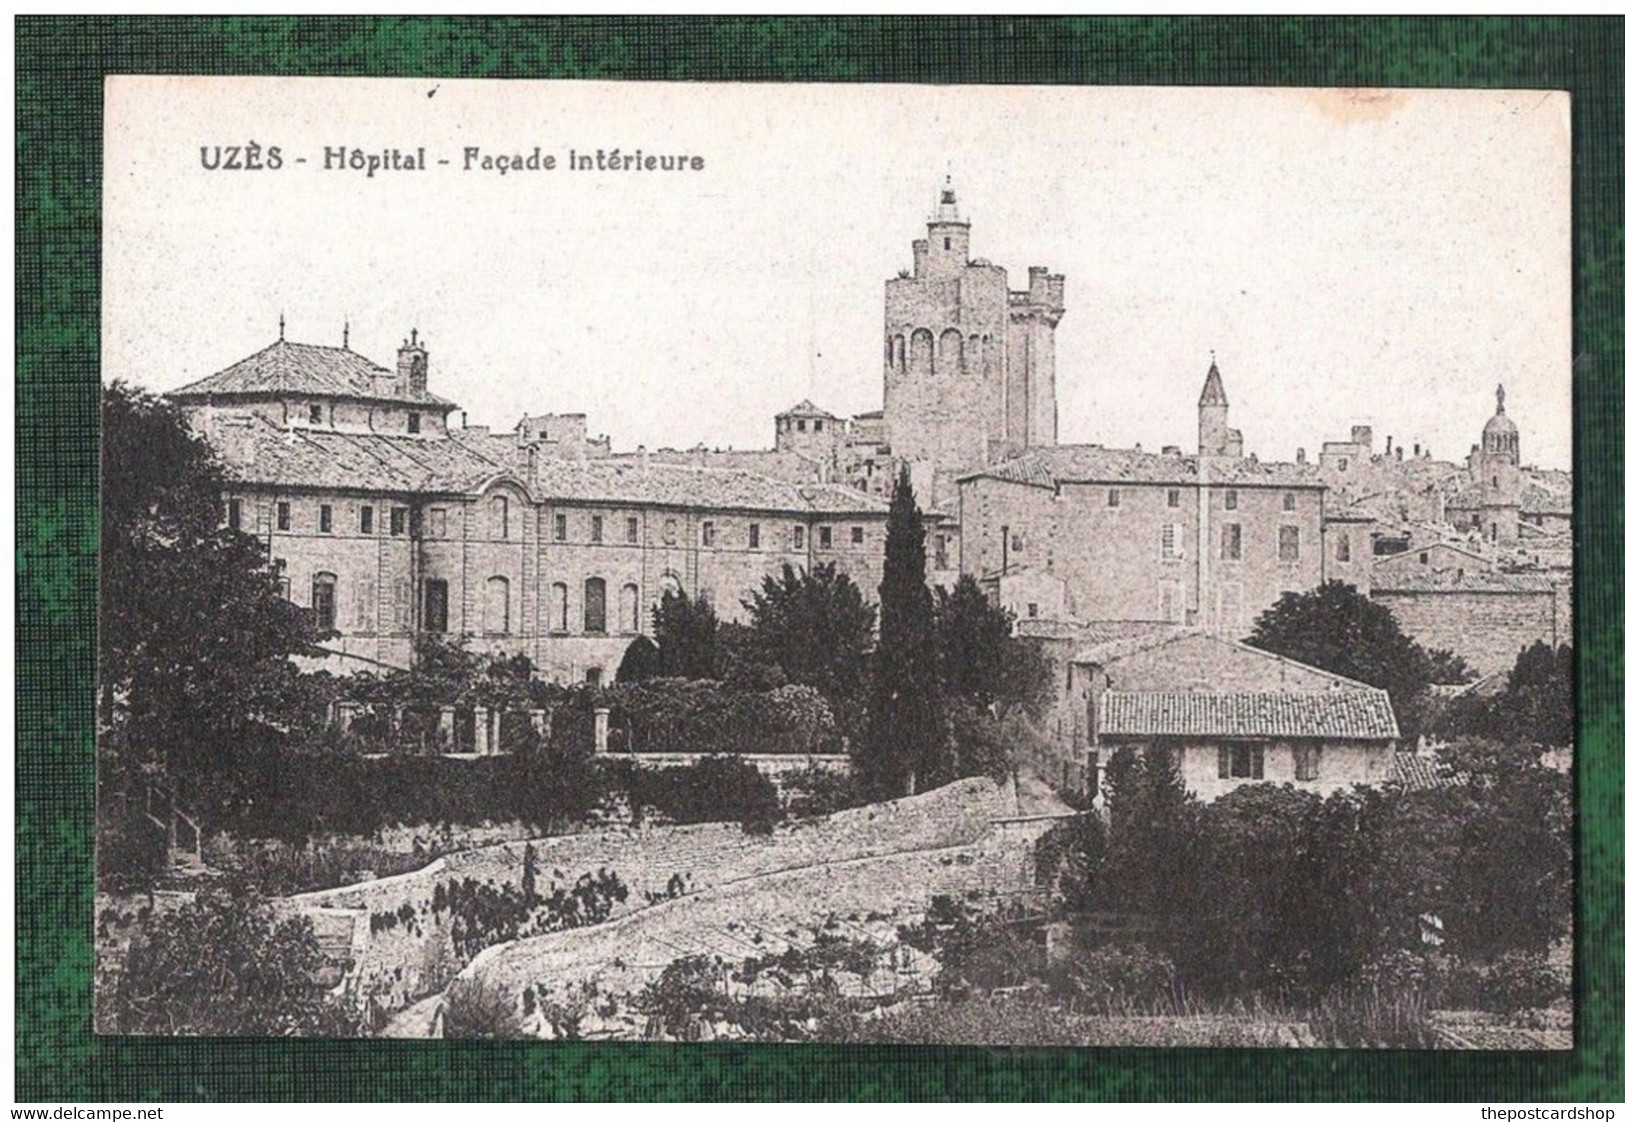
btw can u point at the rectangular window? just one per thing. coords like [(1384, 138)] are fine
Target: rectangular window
[(755, 535), (1229, 500), (857, 535), (1289, 543), (826, 537), (234, 514), (366, 520), (1241, 761), (632, 531), (397, 521), (1230, 546), (414, 422), (1342, 464), (284, 516), (801, 537), (708, 533), (437, 522), (1173, 541), (561, 527), (595, 616), (324, 601), (1114, 497), (315, 414), (818, 426), (325, 519), (435, 601), (1289, 501), (1306, 762), (1343, 549), (941, 542), (1032, 610), (1173, 497), (597, 527)]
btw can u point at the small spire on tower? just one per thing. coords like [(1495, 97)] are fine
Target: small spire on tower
[(1500, 399), (346, 334), (281, 327)]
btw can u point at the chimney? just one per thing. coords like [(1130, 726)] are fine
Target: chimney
[(1390, 451), (1303, 457), (412, 367), (1416, 450), (1170, 449)]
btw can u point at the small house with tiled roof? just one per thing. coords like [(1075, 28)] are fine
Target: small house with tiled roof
[(1230, 714)]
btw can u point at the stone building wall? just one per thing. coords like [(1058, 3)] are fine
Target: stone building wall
[(1488, 629)]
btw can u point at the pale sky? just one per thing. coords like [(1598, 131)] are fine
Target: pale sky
[(1351, 256)]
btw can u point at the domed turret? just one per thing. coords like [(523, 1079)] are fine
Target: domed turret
[(1500, 434)]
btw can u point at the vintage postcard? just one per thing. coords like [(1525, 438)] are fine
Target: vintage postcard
[(993, 565)]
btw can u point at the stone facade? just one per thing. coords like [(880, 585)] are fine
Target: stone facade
[(1486, 618)]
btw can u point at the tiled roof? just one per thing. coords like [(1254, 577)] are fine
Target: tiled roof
[(1338, 510), (304, 368), (1416, 772), (1090, 463), (1332, 715), (1110, 650), (1089, 631), (258, 452), (805, 408), (1386, 579)]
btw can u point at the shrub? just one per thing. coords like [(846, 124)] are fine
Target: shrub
[(224, 965), (713, 789), (677, 715), (815, 792), (1116, 979), (1368, 1017), (478, 1009), (1509, 984)]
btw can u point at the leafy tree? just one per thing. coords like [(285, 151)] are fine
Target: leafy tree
[(1447, 668), (816, 627), (641, 661), (686, 631), (224, 965), (1535, 707), (1335, 628), (905, 745), (195, 638), (981, 660)]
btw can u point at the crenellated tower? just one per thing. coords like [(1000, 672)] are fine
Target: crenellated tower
[(970, 365)]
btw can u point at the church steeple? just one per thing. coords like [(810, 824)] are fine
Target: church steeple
[(1212, 415)]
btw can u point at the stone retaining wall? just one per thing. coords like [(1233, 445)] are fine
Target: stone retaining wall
[(410, 954)]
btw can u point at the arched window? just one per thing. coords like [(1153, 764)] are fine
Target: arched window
[(559, 609), (324, 599), (499, 518), (496, 606), (973, 354), (921, 358), (630, 609), (899, 352), (952, 356), (593, 609), (671, 526)]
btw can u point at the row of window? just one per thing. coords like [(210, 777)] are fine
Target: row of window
[(1114, 498), (1287, 546), (319, 413), (1246, 761), (497, 609), (708, 532)]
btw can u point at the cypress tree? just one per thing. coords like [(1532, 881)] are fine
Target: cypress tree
[(906, 744)]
